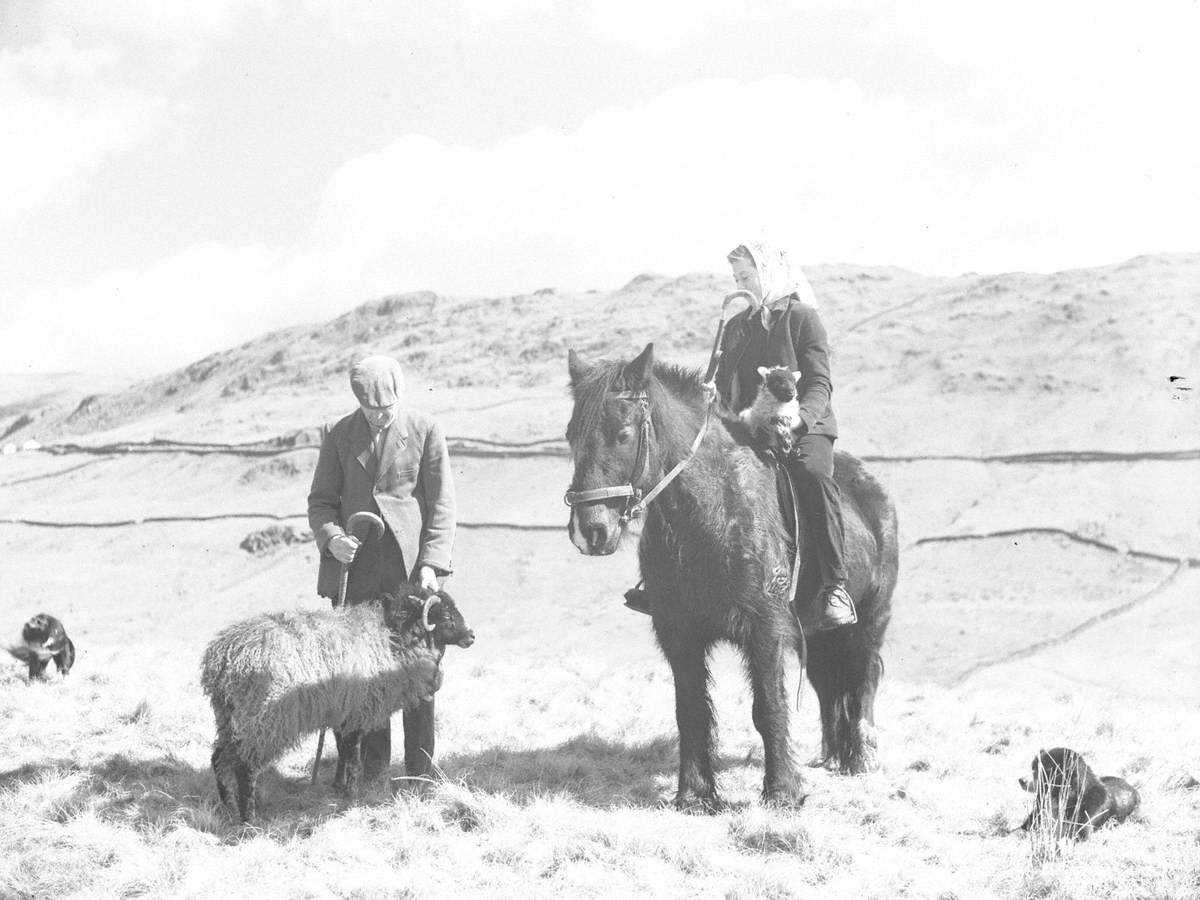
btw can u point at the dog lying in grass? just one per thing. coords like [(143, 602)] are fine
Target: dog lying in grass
[(43, 639), (1069, 800)]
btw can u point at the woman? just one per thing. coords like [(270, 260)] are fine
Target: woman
[(781, 328)]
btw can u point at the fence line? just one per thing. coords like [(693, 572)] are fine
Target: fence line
[(487, 448), (1061, 532)]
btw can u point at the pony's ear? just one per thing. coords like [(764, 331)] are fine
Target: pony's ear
[(762, 371), (797, 375), (637, 373), (577, 367)]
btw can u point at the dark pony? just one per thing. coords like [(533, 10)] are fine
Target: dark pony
[(715, 557)]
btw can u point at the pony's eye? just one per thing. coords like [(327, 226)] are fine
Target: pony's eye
[(624, 435)]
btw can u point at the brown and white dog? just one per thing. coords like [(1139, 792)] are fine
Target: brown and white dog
[(43, 639)]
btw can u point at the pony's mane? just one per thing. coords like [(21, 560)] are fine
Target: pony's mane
[(607, 376)]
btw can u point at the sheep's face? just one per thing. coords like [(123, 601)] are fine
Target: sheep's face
[(448, 625), (429, 612)]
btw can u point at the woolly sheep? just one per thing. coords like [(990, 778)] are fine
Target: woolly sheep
[(274, 678)]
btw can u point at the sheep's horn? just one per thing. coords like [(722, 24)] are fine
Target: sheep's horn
[(429, 601)]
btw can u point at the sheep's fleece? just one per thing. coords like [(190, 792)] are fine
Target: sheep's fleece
[(276, 677)]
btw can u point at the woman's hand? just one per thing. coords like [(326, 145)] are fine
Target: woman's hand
[(344, 547), (427, 578)]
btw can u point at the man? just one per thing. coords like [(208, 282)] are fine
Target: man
[(781, 328), (392, 462)]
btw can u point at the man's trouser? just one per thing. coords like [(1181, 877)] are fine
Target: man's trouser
[(378, 567)]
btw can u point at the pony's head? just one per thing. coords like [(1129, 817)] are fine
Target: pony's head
[(609, 434)]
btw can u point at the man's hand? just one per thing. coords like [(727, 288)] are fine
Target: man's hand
[(344, 547), (710, 392), (427, 578)]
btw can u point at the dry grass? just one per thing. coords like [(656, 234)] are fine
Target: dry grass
[(106, 792)]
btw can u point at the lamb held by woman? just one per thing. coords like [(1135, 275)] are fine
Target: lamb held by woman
[(274, 678)]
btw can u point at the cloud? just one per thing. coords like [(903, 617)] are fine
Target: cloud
[(141, 321), (72, 119), (667, 185), (660, 26)]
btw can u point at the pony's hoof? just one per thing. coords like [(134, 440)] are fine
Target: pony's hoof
[(823, 762), (861, 765), (708, 805), (792, 797)]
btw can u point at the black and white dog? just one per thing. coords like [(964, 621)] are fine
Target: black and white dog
[(43, 639)]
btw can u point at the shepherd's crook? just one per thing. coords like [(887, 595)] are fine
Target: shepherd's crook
[(374, 530), (715, 358)]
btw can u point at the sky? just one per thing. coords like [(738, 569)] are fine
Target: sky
[(178, 178)]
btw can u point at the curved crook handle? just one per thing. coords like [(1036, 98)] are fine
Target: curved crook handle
[(716, 350)]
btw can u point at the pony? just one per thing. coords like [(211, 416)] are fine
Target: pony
[(715, 558)]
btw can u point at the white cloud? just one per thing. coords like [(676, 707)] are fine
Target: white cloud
[(664, 185), (141, 321), (660, 26), (66, 118)]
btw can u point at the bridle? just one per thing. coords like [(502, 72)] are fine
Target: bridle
[(635, 501)]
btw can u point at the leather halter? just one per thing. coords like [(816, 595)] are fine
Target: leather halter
[(635, 501)]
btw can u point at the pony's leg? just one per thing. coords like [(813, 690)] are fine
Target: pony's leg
[(868, 737), (820, 677), (687, 653), (765, 653), (845, 673)]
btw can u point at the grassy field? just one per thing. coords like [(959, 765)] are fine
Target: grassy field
[(556, 731)]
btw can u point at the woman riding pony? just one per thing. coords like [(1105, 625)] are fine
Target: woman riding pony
[(781, 328)]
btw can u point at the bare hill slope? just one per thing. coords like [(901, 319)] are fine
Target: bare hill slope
[(1078, 359)]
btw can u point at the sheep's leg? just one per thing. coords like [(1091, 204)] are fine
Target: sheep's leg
[(339, 778), (418, 740), (244, 779), (218, 765), (352, 751)]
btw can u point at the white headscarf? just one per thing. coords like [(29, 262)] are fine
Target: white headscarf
[(776, 276)]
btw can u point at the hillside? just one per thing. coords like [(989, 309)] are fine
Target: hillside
[(974, 364)]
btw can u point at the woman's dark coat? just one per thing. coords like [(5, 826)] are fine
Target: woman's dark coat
[(795, 339)]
